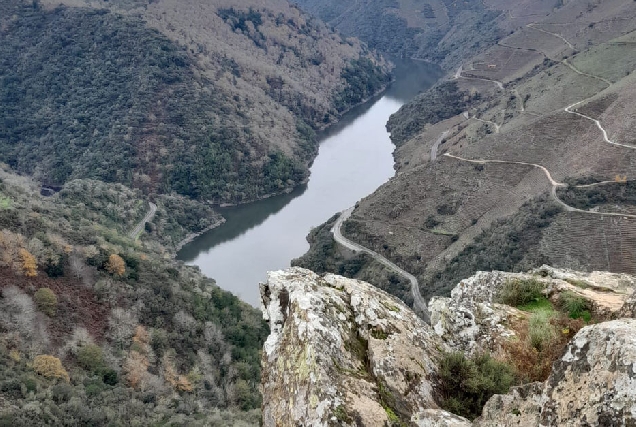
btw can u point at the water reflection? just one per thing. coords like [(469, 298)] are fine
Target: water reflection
[(355, 158)]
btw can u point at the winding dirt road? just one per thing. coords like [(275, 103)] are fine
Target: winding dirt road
[(553, 183), (532, 25), (435, 146), (418, 302), (135, 232), (568, 109), (459, 75)]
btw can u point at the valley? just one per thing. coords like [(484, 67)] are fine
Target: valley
[(484, 188), (532, 123), (355, 157)]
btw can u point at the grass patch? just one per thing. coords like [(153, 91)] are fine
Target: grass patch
[(5, 202), (575, 306), (379, 334), (341, 414), (582, 284), (539, 305), (521, 292), (540, 330)]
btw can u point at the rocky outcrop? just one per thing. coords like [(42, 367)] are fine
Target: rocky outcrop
[(342, 352), (593, 384), (471, 321)]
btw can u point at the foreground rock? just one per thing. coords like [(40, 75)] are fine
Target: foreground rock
[(593, 384), (471, 321), (342, 352)]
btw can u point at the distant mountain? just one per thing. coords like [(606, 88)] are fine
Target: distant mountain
[(441, 31), (214, 100)]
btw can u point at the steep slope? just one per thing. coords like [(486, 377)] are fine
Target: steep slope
[(535, 169), (442, 31), (216, 101), (97, 328)]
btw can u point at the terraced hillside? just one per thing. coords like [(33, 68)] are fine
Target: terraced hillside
[(217, 101), (443, 31), (536, 169)]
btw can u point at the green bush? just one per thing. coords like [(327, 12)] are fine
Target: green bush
[(540, 330), (518, 292), (575, 306), (30, 384), (46, 300), (109, 376), (90, 357), (467, 383)]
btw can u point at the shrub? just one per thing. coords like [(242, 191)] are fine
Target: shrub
[(50, 367), (30, 384), (46, 301), (89, 357), (575, 306), (540, 330), (109, 376), (467, 383), (539, 343), (29, 266), (116, 265), (517, 292)]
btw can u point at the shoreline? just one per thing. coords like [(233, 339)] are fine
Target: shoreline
[(190, 237), (309, 164)]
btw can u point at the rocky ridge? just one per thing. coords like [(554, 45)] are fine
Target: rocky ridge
[(342, 352)]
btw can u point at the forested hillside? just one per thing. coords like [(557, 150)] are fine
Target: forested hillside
[(99, 329), (226, 114)]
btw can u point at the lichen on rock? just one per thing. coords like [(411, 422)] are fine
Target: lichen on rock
[(342, 352)]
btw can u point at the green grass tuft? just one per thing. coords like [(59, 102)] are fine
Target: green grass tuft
[(520, 292), (575, 306), (5, 202)]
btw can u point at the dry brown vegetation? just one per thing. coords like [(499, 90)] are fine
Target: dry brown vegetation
[(108, 323)]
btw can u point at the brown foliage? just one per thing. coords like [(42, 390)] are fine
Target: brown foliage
[(535, 365), (178, 382), (74, 302), (116, 265), (141, 336), (135, 369), (50, 367)]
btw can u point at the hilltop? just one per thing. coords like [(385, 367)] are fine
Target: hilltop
[(445, 32), (217, 101)]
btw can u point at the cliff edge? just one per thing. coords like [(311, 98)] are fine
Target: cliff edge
[(342, 352)]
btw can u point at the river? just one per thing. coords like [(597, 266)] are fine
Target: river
[(355, 158)]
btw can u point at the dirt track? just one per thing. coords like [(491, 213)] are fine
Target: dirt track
[(419, 304), (135, 232)]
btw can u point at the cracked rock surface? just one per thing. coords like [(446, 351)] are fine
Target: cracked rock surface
[(342, 352)]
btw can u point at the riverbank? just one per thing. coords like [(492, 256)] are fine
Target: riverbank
[(266, 235)]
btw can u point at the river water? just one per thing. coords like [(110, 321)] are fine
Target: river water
[(355, 158)]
